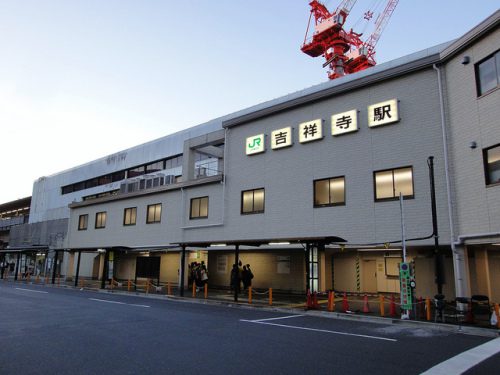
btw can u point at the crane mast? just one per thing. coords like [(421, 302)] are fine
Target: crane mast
[(344, 51)]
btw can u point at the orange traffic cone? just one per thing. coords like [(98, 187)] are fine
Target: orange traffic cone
[(345, 304), (366, 308)]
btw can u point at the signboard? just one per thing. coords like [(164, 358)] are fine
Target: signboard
[(383, 113), (255, 144), (311, 131), (281, 138), (344, 122), (404, 279)]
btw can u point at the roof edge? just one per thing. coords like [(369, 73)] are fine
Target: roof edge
[(487, 25), (359, 82)]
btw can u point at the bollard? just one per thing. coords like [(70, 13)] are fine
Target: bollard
[(333, 300), (194, 289), (206, 291), (270, 296), (128, 285), (428, 308), (382, 306), (250, 295), (497, 311)]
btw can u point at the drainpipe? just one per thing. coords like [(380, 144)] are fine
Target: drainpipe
[(458, 257)]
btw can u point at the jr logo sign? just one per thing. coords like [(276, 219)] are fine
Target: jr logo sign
[(255, 144)]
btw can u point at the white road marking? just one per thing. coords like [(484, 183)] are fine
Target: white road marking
[(117, 302), (132, 304), (281, 317), (107, 301), (31, 290), (466, 360), (319, 330)]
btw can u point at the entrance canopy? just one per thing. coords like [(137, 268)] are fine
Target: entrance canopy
[(258, 242), (24, 249)]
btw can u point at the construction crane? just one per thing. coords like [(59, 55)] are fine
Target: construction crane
[(344, 51)]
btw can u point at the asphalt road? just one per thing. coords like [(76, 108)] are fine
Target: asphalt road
[(67, 331)]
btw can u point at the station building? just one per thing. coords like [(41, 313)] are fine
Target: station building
[(326, 188)]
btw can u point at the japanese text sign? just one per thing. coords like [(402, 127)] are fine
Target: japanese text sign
[(311, 131), (383, 113), (345, 122), (281, 138)]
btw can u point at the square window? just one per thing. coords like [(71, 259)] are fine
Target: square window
[(83, 221), (100, 220), (390, 183), (130, 216), (488, 74), (154, 213), (329, 192), (252, 201), (199, 208), (492, 165)]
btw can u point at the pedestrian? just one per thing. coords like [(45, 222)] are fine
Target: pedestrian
[(204, 274), (245, 277), (250, 274)]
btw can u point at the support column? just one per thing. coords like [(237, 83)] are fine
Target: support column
[(17, 266), (308, 267), (483, 271), (236, 261), (105, 270), (462, 288), (78, 267), (182, 271), (54, 267)]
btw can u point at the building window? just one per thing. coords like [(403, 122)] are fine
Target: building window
[(130, 216), (390, 183), (199, 208), (100, 220), (492, 165), (329, 192), (252, 201), (83, 222), (154, 213), (488, 74)]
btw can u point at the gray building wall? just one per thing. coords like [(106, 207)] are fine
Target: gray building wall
[(477, 206), (288, 174), (175, 225)]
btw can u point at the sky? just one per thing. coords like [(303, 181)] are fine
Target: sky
[(82, 79)]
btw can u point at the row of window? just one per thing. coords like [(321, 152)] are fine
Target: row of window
[(199, 210), (389, 184), (168, 163)]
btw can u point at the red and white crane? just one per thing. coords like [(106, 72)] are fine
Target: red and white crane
[(344, 51)]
